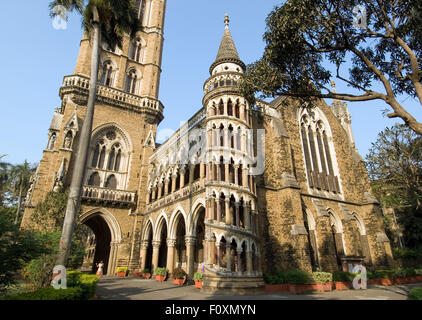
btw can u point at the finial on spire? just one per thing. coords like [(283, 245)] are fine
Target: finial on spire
[(226, 20)]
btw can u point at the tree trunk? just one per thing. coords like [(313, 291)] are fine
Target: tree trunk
[(78, 174), (18, 211)]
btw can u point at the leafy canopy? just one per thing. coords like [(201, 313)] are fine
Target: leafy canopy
[(303, 37)]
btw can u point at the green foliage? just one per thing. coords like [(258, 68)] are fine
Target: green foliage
[(341, 276), (87, 282), (415, 294), (298, 277), (418, 272), (17, 247), (50, 212), (381, 274), (49, 293), (322, 277), (306, 40), (122, 269), (161, 271), (198, 276), (145, 271), (179, 273), (279, 277), (394, 164)]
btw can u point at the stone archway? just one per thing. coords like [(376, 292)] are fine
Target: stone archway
[(107, 237)]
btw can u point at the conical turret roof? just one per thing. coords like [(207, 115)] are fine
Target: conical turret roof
[(227, 51)]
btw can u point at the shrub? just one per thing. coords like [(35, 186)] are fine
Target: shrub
[(145, 271), (198, 276), (160, 271), (49, 293), (418, 272), (415, 294), (121, 269), (379, 274), (409, 272), (322, 277), (179, 273), (399, 273), (87, 282), (298, 277), (341, 276), (278, 278)]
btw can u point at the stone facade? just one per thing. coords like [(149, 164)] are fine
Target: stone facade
[(237, 191)]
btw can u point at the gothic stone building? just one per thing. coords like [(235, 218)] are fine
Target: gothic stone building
[(237, 191)]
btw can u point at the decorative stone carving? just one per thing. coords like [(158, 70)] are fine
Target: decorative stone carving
[(59, 177), (298, 230)]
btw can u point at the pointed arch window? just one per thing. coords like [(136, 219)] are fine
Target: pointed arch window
[(131, 81), (107, 74), (317, 153), (111, 182), (136, 50), (94, 180)]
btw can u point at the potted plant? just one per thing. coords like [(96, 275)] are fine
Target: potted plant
[(146, 274), (342, 280), (299, 281), (384, 277), (276, 282), (324, 281), (197, 277), (398, 276), (410, 275), (160, 274), (121, 271), (179, 276), (137, 274), (418, 274), (372, 279)]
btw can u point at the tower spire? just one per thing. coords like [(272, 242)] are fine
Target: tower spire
[(227, 20)]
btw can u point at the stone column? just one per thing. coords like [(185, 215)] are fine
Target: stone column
[(229, 256), (153, 194), (245, 177), (160, 187), (236, 174), (239, 260), (191, 173), (218, 172), (247, 216), (218, 203), (226, 173), (237, 205), (243, 142), (166, 187), (225, 109), (249, 267), (227, 205), (210, 140), (171, 243), (201, 171), (173, 183), (155, 255), (242, 112), (182, 178), (217, 245), (190, 255), (144, 248), (235, 139), (212, 208)]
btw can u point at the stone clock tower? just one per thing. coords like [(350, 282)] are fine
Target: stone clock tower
[(127, 113)]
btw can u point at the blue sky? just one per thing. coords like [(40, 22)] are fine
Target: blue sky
[(36, 57)]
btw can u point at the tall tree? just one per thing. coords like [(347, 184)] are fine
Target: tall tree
[(4, 177), (107, 20), (394, 165), (367, 42), (20, 176)]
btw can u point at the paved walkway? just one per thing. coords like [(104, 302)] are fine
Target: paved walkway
[(111, 288)]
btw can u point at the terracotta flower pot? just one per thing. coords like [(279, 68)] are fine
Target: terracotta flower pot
[(419, 278), (146, 275), (137, 274), (160, 278), (301, 288), (386, 282), (198, 284), (397, 280), (276, 288), (374, 281), (121, 274), (413, 280), (179, 282), (343, 285)]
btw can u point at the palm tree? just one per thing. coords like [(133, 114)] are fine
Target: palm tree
[(20, 180), (107, 20), (4, 176)]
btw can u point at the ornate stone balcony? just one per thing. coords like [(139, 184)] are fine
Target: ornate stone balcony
[(109, 196), (79, 86)]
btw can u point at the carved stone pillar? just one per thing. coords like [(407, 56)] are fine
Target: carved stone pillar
[(155, 254), (249, 267), (245, 177), (236, 174), (190, 255), (242, 112), (182, 178), (237, 205), (209, 139), (191, 173), (228, 216), (173, 183), (243, 142), (212, 207), (171, 243), (153, 194), (247, 216), (160, 188), (227, 173), (144, 248), (235, 139), (166, 187), (239, 260), (218, 203)]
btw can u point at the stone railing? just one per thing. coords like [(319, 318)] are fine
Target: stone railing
[(108, 195), (113, 94), (196, 186)]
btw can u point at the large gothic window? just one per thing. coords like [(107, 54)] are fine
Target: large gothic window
[(107, 74), (136, 50), (131, 81), (108, 160), (318, 152)]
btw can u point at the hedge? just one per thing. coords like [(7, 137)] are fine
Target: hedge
[(298, 277), (341, 276), (415, 294), (80, 286), (322, 277)]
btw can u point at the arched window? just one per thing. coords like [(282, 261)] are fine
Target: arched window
[(140, 8), (131, 81), (111, 182), (136, 49), (107, 74), (94, 180), (52, 141), (317, 151)]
